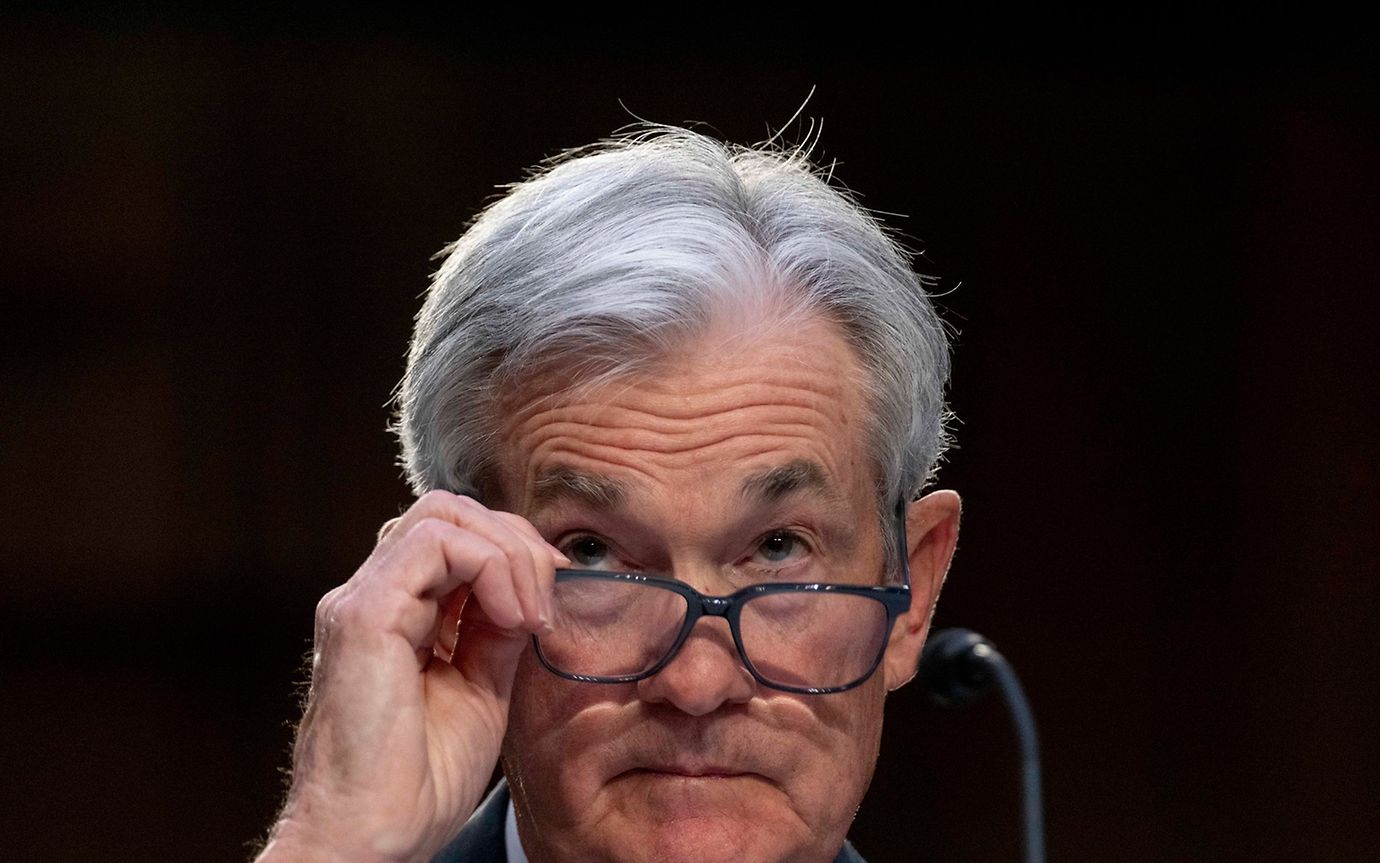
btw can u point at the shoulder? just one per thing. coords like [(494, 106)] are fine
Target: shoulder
[(481, 839)]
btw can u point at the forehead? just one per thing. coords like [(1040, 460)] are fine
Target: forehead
[(776, 406)]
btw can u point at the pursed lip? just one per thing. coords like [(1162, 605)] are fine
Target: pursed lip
[(744, 756), (690, 771)]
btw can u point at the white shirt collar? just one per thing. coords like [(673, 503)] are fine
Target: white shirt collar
[(511, 843)]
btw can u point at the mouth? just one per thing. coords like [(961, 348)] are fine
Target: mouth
[(688, 772), (675, 793), (699, 760)]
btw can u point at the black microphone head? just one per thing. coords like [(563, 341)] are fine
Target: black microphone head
[(955, 666)]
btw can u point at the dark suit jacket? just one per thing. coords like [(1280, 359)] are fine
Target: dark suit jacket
[(481, 839)]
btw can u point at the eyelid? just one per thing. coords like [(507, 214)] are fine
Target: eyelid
[(803, 534), (568, 536), (566, 541), (808, 540), (799, 535)]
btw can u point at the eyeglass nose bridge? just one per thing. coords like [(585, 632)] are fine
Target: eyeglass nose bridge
[(715, 606), (698, 606)]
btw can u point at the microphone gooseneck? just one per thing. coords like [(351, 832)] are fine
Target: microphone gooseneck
[(958, 666)]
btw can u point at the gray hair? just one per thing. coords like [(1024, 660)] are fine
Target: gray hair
[(609, 256)]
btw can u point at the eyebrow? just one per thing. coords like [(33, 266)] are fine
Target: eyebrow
[(562, 484), (773, 485), (567, 484)]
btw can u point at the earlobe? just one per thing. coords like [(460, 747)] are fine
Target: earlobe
[(931, 536)]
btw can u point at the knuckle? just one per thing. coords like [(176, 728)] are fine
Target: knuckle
[(492, 562), (520, 524), (502, 532), (482, 548), (435, 497), (455, 508), (432, 529), (526, 559), (467, 502), (389, 610), (387, 528), (326, 607), (379, 610), (344, 615)]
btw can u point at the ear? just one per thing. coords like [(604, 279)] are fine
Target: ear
[(931, 534)]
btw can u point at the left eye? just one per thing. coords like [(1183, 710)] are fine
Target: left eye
[(780, 546)]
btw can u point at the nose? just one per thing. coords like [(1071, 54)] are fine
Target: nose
[(705, 674)]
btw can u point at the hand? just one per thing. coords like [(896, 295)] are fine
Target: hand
[(411, 679)]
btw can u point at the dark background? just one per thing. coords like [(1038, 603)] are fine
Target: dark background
[(1157, 239)]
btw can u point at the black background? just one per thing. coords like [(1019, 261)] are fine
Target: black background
[(1157, 240)]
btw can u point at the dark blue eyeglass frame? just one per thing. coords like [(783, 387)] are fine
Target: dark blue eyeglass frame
[(896, 599)]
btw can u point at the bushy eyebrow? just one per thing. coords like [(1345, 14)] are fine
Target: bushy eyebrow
[(567, 485), (559, 484), (770, 486)]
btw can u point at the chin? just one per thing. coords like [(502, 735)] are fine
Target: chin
[(708, 841), (755, 832)]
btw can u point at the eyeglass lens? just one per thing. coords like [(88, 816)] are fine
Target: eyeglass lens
[(802, 639), (611, 628)]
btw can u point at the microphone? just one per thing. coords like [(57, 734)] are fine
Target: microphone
[(956, 667)]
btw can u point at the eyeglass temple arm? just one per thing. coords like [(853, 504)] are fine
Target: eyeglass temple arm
[(902, 546)]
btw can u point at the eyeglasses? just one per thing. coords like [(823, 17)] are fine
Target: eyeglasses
[(812, 638)]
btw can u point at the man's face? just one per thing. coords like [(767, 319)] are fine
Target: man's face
[(694, 471)]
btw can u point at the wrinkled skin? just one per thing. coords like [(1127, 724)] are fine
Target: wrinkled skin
[(423, 664), (700, 762)]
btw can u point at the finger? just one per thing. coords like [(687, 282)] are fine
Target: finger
[(527, 582), (525, 527), (388, 527), (486, 653), (468, 512), (528, 554), (525, 557), (545, 559), (437, 503), (436, 557)]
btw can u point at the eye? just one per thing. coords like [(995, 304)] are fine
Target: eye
[(588, 552), (780, 546)]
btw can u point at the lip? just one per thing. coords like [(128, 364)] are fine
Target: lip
[(700, 754), (688, 772)]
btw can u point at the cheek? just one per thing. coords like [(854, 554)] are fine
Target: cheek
[(564, 739), (848, 736), (534, 719), (549, 752)]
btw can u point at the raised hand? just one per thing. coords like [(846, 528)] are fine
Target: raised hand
[(411, 678)]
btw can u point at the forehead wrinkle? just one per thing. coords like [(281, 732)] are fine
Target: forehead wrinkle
[(683, 379), (698, 410), (673, 453), (672, 412), (737, 423)]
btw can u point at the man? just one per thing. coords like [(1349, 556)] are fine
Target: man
[(703, 368)]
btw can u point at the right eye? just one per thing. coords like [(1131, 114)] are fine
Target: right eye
[(589, 552)]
